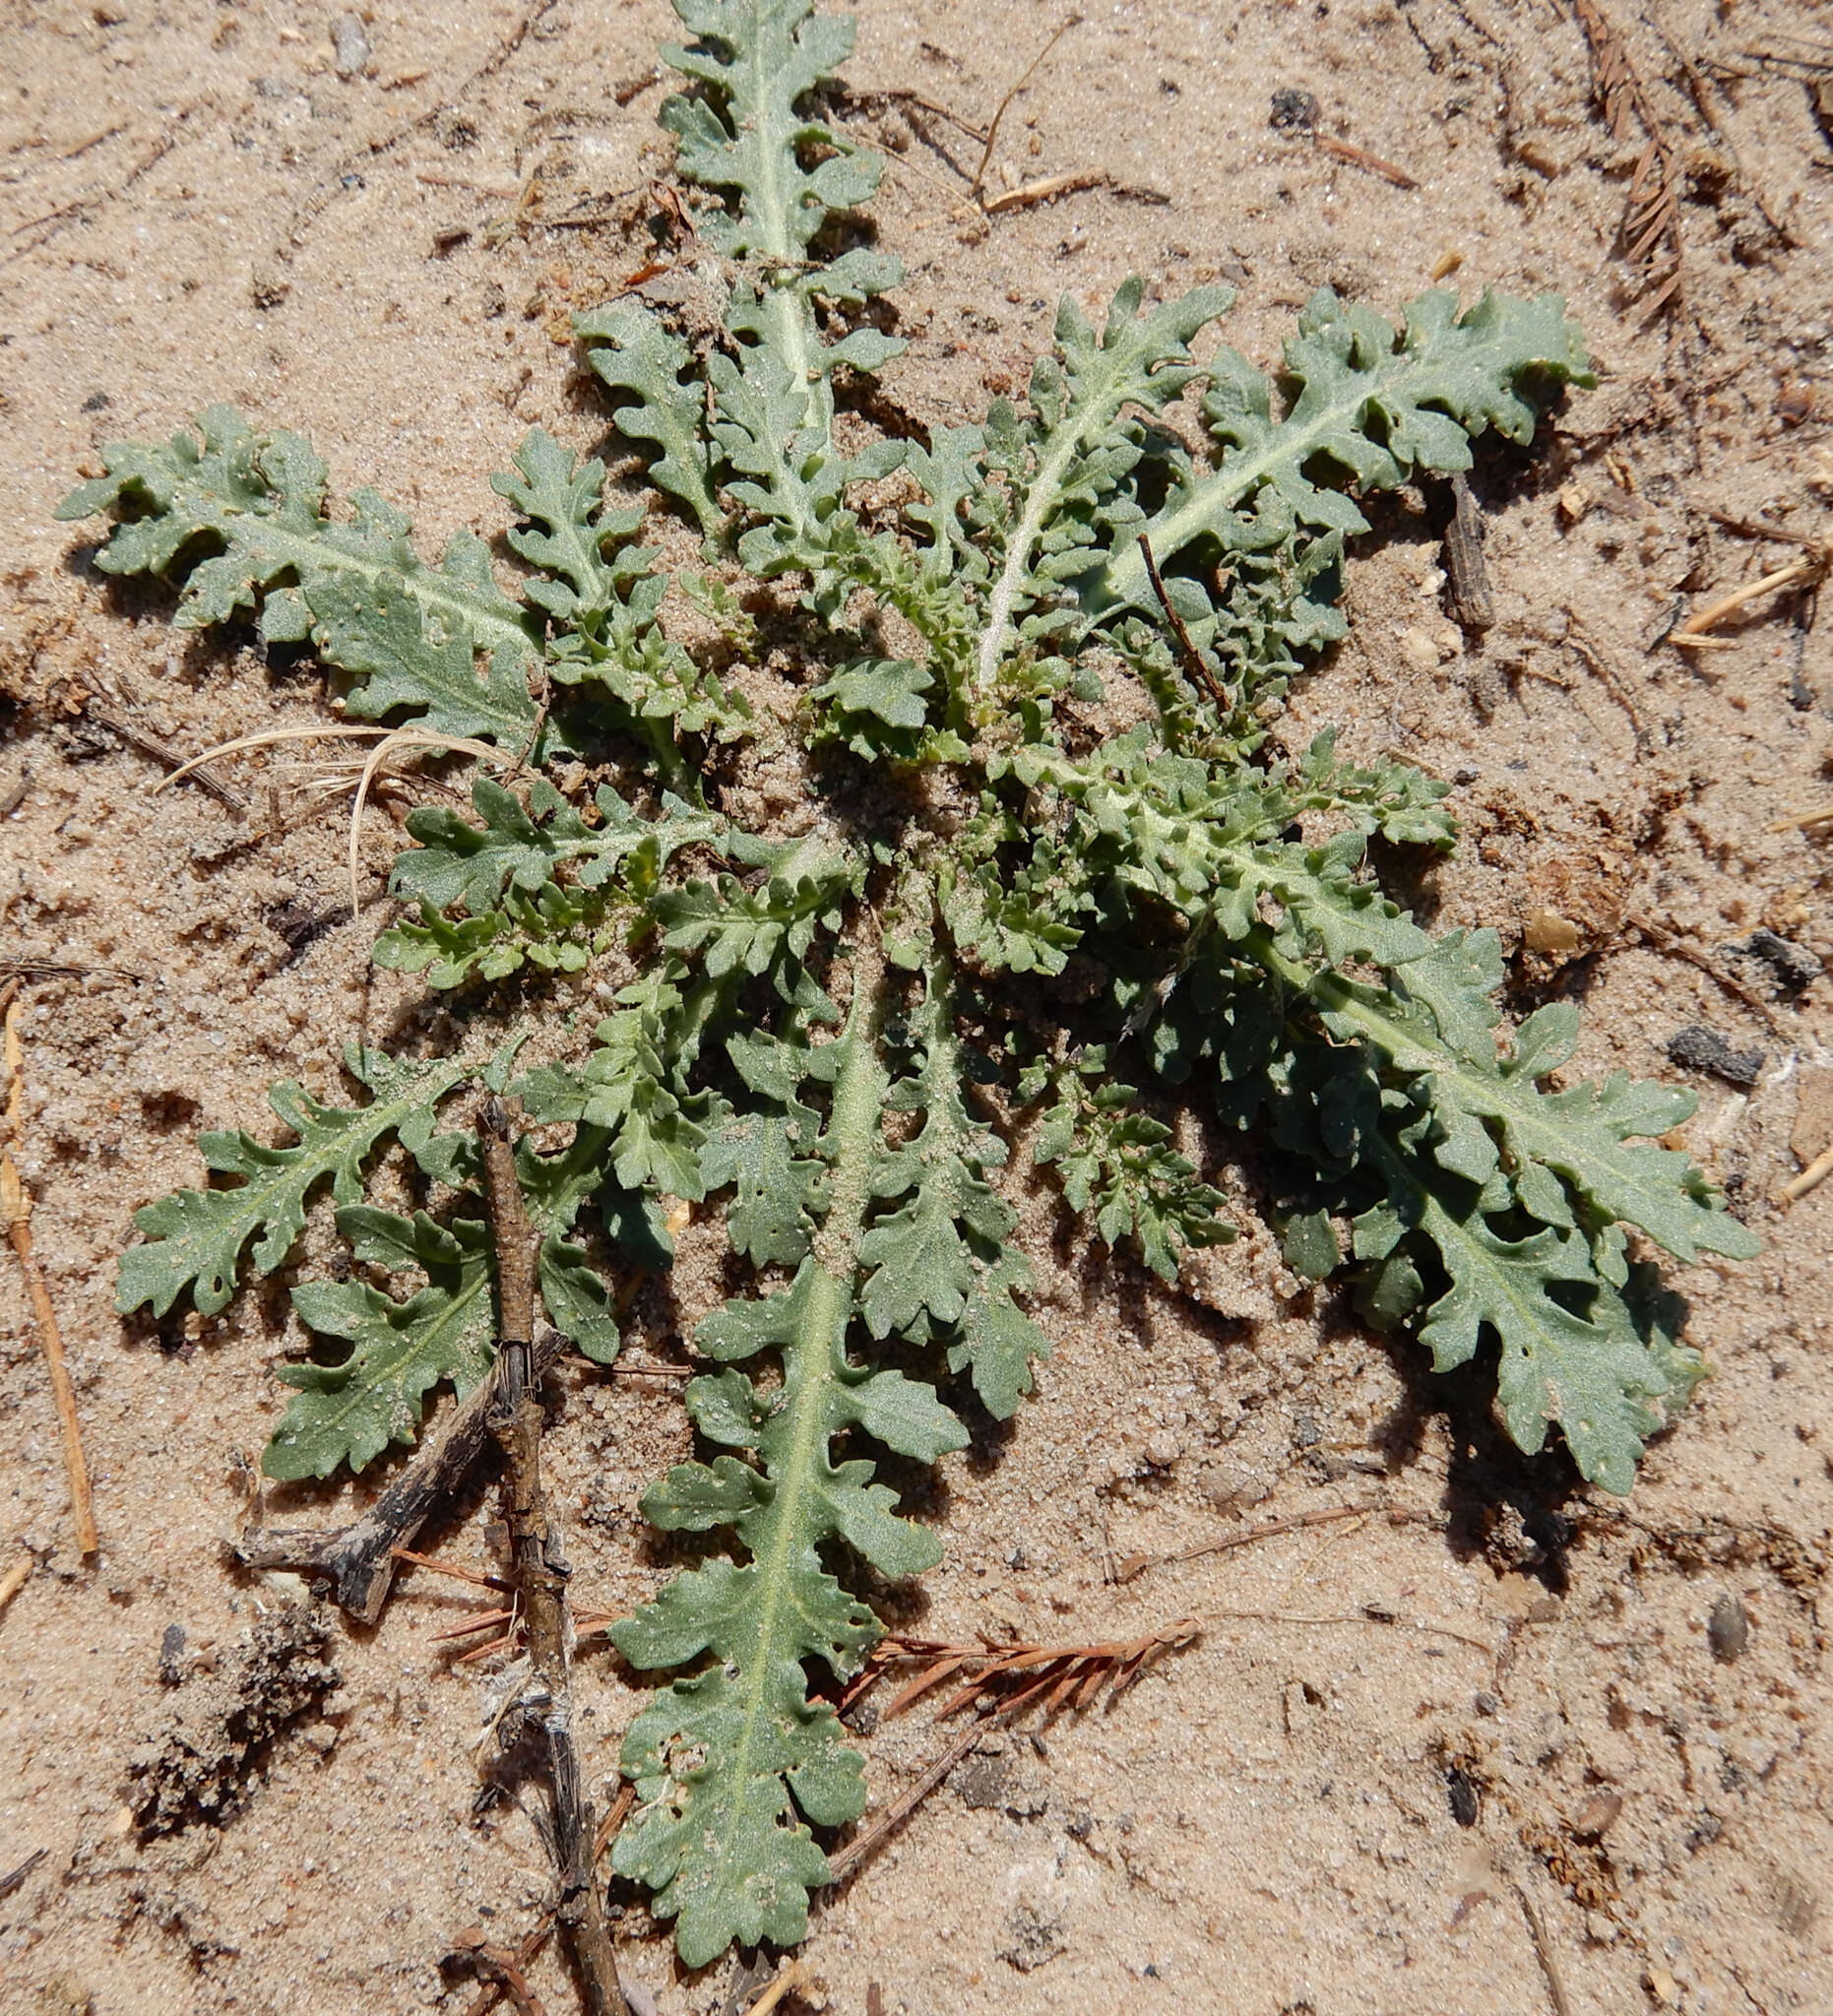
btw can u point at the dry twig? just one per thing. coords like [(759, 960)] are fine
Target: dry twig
[(1073, 1674), (1544, 1952), (98, 710), (388, 741), (359, 1558), (1805, 574), (502, 1969), (1666, 940), (1045, 189), (1196, 669), (992, 131), (540, 1571), (16, 1215), (1811, 1178), (1361, 158), (790, 1975), (842, 1862), (55, 970), (495, 1989), (1472, 602), (15, 1877), (1061, 1676), (14, 1580), (1269, 1529), (1800, 822)]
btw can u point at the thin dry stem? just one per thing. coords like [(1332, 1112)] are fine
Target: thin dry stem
[(540, 1571), (1666, 940), (992, 131), (843, 1863), (1065, 1671), (1798, 822), (790, 1975), (1808, 572), (1811, 1178), (1269, 1529), (1544, 1952), (14, 1580), (1361, 158), (390, 742), (1045, 189)]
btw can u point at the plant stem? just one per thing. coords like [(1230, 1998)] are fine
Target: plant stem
[(540, 1571), (359, 1558)]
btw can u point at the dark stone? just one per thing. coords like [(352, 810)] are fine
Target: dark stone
[(1465, 1799), (982, 1783), (1294, 111), (1792, 966), (1695, 1048)]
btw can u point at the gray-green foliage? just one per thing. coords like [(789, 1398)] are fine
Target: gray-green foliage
[(826, 1032)]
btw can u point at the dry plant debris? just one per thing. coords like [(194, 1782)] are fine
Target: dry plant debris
[(542, 1699), (1071, 1676), (1803, 576), (1652, 237), (222, 1723)]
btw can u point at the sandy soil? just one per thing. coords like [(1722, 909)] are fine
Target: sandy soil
[(1336, 1800)]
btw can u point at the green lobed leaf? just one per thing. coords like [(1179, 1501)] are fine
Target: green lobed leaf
[(195, 1238), (939, 1265), (733, 1764), (1582, 1362), (1117, 1162), (637, 355), (349, 1411), (569, 525), (1585, 1136), (1381, 405), (241, 516)]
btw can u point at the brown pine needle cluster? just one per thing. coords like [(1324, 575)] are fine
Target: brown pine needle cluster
[(1068, 1677), (591, 1622), (1651, 226)]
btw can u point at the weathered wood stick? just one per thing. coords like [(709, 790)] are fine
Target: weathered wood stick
[(359, 1560)]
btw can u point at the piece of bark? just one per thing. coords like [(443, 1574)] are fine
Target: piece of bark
[(1473, 607), (359, 1560)]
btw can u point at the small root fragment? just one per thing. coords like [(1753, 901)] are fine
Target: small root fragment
[(790, 1975), (1806, 574), (1811, 1178)]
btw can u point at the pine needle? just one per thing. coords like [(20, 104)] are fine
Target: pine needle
[(1652, 212)]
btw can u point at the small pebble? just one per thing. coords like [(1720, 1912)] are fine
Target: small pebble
[(1728, 1628), (1597, 1816), (1461, 1793), (350, 40), (1294, 111), (1548, 931)]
